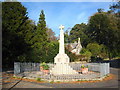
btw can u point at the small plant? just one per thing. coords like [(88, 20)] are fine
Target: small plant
[(45, 66), (84, 69), (14, 76), (38, 79), (83, 66)]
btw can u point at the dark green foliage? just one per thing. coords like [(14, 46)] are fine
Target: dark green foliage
[(98, 28), (40, 35), (74, 57), (43, 42), (103, 29), (52, 51), (103, 53), (66, 37), (70, 54), (97, 51), (40, 39), (14, 17), (79, 30), (86, 53), (22, 40), (94, 48)]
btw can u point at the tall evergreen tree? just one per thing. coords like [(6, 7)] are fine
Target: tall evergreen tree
[(14, 16), (40, 39)]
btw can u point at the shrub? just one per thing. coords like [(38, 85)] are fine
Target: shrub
[(94, 48), (86, 53)]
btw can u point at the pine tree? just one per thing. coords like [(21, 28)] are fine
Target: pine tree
[(40, 39), (42, 26), (14, 16)]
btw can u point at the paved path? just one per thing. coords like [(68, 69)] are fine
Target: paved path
[(113, 83)]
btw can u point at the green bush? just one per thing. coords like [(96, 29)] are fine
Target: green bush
[(94, 48), (86, 53)]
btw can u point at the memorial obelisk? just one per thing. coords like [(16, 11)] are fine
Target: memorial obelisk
[(62, 60)]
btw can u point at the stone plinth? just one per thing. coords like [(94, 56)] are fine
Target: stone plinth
[(61, 58), (62, 68)]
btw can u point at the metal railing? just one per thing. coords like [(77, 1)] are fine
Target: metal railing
[(25, 67), (96, 69)]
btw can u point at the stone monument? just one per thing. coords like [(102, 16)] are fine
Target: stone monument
[(62, 60)]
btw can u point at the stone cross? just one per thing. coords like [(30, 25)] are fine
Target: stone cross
[(61, 27), (61, 42)]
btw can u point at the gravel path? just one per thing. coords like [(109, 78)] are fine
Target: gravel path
[(113, 83)]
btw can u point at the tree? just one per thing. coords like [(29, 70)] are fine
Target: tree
[(100, 10), (28, 31), (51, 35), (40, 39), (115, 20), (86, 53), (103, 29), (94, 48), (14, 17), (79, 30), (115, 8), (53, 51), (66, 36)]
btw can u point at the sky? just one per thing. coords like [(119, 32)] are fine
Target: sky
[(64, 13)]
